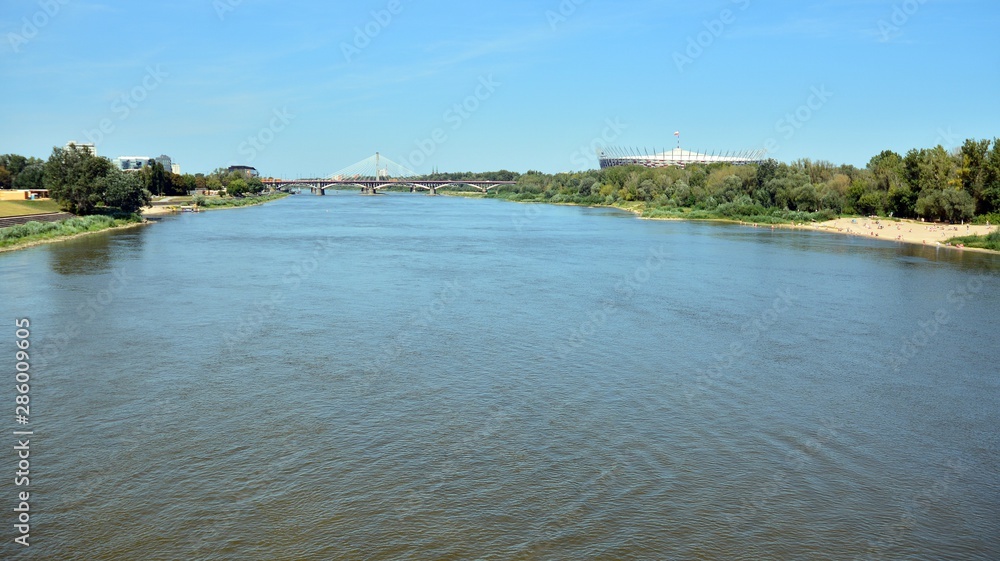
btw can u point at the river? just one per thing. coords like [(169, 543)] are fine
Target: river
[(415, 377)]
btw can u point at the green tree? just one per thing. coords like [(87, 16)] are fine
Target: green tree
[(123, 191), (237, 187), (887, 170), (31, 177), (953, 205), (255, 186), (6, 179), (15, 163), (156, 180), (71, 177), (990, 201)]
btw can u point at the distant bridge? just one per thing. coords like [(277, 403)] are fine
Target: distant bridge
[(378, 172)]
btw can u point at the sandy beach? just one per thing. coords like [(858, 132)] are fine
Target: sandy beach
[(159, 209), (909, 231)]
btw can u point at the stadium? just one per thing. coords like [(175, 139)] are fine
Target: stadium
[(615, 156)]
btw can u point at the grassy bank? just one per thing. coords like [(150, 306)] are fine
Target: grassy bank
[(32, 233), (730, 211), (990, 241), (21, 208), (210, 203)]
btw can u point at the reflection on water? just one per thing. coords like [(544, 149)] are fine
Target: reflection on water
[(94, 253)]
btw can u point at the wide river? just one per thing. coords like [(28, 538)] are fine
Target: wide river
[(414, 377)]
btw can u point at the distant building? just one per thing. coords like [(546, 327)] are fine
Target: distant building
[(133, 163), (83, 146), (245, 170), (165, 162), (613, 156), (175, 169)]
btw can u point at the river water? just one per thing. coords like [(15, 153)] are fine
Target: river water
[(414, 377)]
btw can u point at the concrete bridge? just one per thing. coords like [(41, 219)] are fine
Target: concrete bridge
[(375, 173), (370, 186)]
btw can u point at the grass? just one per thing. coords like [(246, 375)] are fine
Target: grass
[(230, 202), (24, 234), (21, 208), (989, 241)]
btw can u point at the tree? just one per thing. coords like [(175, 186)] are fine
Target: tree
[(887, 170), (15, 163), (237, 187), (6, 179), (766, 171), (155, 179), (71, 177), (990, 201), (946, 204), (31, 177), (255, 186), (124, 191)]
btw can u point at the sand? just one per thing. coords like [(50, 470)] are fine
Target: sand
[(909, 231)]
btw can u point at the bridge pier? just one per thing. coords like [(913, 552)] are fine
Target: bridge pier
[(433, 191)]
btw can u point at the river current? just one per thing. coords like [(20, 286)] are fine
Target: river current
[(415, 377)]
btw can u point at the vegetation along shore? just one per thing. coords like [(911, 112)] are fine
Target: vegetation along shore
[(95, 196)]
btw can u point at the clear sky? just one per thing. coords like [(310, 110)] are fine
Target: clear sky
[(306, 88)]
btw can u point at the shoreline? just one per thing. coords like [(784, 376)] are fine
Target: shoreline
[(161, 210), (34, 243), (927, 234)]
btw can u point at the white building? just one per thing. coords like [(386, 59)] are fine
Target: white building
[(83, 146), (614, 156), (132, 163)]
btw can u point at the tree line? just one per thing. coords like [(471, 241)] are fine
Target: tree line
[(932, 184), (87, 184)]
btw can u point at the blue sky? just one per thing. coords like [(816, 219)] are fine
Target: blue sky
[(306, 88)]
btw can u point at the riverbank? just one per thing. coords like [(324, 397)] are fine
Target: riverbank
[(905, 231), (171, 205), (37, 233), (33, 234)]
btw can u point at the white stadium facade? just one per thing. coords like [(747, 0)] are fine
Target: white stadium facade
[(614, 156)]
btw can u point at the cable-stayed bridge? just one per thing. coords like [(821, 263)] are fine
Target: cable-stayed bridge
[(378, 172)]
